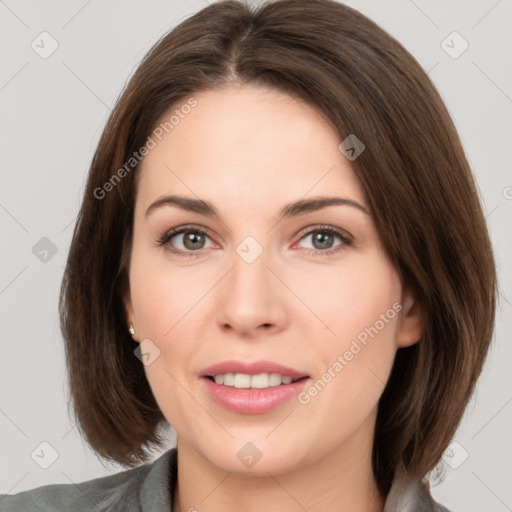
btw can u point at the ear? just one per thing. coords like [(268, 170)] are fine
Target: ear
[(128, 309), (412, 321)]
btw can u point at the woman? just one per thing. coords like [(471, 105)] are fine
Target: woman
[(281, 253)]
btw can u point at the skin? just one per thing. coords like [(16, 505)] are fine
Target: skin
[(249, 151)]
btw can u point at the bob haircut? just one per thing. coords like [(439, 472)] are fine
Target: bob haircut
[(416, 178)]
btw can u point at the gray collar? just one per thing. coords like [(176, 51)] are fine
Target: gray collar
[(151, 487), (406, 496)]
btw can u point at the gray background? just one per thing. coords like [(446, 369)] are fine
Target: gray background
[(53, 111)]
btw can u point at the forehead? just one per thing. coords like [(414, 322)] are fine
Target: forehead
[(247, 147)]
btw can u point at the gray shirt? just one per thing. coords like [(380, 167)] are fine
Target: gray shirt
[(150, 488)]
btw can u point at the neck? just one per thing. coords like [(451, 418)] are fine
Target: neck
[(342, 480)]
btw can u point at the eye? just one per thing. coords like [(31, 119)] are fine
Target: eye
[(184, 241), (323, 238), (190, 240)]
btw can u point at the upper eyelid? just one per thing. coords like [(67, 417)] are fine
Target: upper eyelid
[(324, 227)]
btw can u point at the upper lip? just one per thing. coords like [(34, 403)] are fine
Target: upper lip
[(251, 368)]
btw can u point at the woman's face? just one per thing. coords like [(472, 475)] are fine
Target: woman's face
[(311, 290)]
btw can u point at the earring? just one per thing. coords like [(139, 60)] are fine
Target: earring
[(131, 330)]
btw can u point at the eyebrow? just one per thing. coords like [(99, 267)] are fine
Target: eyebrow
[(295, 209)]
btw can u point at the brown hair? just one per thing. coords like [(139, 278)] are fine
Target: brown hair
[(416, 178)]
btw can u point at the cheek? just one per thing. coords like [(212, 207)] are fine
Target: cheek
[(164, 304), (348, 300), (356, 351), (161, 297), (167, 302)]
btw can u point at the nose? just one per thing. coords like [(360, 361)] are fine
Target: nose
[(251, 299)]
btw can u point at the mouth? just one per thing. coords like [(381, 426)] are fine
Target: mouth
[(252, 388)]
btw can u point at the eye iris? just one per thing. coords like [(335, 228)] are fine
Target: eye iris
[(190, 239), (325, 240)]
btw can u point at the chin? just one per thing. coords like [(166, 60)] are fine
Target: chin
[(257, 458)]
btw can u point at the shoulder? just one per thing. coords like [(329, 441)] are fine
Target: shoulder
[(98, 494), (133, 489)]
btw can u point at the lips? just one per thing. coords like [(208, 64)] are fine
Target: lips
[(252, 368), (252, 401)]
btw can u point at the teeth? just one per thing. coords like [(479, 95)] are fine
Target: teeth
[(245, 381)]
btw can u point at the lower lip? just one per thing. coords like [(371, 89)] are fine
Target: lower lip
[(253, 401)]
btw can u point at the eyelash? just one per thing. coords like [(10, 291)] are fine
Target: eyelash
[(167, 236)]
